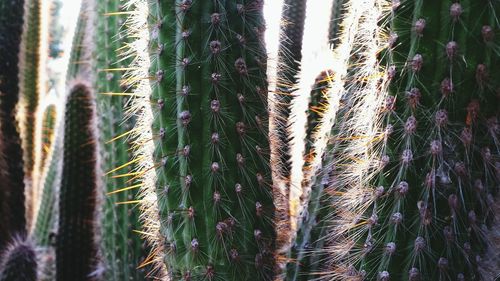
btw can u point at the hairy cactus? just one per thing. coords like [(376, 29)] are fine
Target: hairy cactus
[(416, 166), (210, 174), (18, 262), (76, 245), (30, 85), (288, 64), (12, 219)]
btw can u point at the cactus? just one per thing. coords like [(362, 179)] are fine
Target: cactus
[(210, 153), (122, 247), (12, 218), (46, 217), (288, 66), (29, 79), (417, 177), (76, 243), (80, 57), (18, 262), (48, 133)]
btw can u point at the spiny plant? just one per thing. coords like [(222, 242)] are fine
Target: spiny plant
[(46, 216), (12, 219), (48, 133), (122, 245), (18, 261), (288, 62), (76, 243), (29, 80), (317, 125), (202, 137), (416, 167)]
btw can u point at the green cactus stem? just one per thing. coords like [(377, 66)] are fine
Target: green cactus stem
[(122, 246), (12, 219), (48, 124), (29, 80), (413, 197), (76, 245), (211, 153), (80, 56), (18, 261)]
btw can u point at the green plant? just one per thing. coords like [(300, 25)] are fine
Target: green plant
[(209, 175), (76, 242), (416, 179), (121, 243)]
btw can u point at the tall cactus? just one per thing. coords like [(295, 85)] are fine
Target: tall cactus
[(29, 79), (12, 218), (122, 245), (416, 172), (76, 244), (18, 261), (210, 174)]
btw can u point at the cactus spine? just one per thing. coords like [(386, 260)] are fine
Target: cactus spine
[(76, 244), (18, 262)]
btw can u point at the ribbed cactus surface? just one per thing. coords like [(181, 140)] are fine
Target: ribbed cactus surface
[(211, 150), (30, 83), (76, 244), (412, 196), (122, 245)]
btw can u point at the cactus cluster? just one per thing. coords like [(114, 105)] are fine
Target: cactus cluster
[(363, 146)]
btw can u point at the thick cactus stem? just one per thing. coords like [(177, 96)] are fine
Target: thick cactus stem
[(76, 246), (209, 129), (416, 172), (18, 262)]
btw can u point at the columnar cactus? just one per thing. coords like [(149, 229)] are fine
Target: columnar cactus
[(76, 242), (209, 128), (122, 246), (18, 261), (30, 86), (416, 179), (46, 217), (12, 219)]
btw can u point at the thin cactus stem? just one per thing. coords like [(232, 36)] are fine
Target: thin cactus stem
[(77, 252)]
